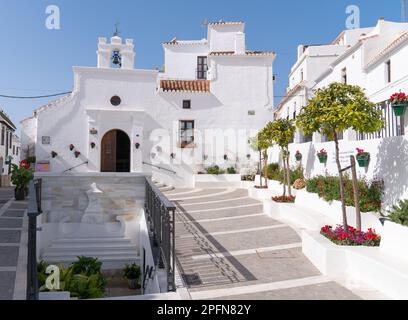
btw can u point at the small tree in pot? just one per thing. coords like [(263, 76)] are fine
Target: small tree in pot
[(132, 274), (20, 177)]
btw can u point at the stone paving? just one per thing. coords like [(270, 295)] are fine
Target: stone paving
[(11, 255), (227, 249)]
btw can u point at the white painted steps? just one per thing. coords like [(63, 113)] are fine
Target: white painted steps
[(113, 252)]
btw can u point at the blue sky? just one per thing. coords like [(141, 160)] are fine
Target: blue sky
[(38, 61)]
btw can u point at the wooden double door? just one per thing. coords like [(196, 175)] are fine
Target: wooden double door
[(115, 152)]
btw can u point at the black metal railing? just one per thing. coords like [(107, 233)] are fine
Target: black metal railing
[(34, 210), (158, 167), (160, 214)]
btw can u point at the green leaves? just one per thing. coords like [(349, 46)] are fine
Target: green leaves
[(280, 131), (20, 176), (399, 213), (339, 107)]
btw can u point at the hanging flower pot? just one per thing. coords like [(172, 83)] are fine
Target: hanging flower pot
[(363, 158), (77, 153), (399, 102), (54, 154), (298, 156), (71, 147), (322, 155), (93, 145)]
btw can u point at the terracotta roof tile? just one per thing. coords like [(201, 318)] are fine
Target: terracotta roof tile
[(185, 85), (248, 53)]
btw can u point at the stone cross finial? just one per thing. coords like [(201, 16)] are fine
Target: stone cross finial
[(116, 33)]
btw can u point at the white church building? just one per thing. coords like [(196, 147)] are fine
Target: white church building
[(122, 119)]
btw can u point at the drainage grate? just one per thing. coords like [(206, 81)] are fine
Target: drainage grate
[(192, 279)]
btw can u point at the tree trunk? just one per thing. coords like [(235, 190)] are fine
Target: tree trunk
[(284, 174), (260, 168), (288, 173), (342, 198), (266, 167), (356, 193)]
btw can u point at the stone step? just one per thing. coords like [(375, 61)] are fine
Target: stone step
[(166, 188), (101, 241), (108, 262), (89, 253)]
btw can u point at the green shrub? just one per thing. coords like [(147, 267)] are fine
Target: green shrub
[(231, 170), (131, 271), (275, 173), (399, 213), (86, 266), (83, 279), (213, 170), (328, 188)]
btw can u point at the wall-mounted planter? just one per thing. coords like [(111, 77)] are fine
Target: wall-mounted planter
[(77, 154), (173, 155), (322, 158), (54, 154), (363, 159), (399, 108), (93, 145), (298, 156), (71, 147), (137, 145)]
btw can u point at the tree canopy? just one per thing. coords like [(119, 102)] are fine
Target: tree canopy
[(338, 107)]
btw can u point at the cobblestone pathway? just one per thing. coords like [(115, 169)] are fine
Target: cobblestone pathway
[(12, 246), (224, 241)]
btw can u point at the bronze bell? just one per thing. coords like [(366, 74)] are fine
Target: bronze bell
[(116, 58)]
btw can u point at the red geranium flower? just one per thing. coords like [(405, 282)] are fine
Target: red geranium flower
[(24, 164)]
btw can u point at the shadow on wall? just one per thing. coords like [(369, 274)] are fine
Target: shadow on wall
[(391, 166), (310, 160)]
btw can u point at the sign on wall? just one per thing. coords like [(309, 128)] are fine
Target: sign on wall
[(46, 140)]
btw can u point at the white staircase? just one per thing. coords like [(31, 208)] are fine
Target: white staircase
[(162, 186), (112, 252)]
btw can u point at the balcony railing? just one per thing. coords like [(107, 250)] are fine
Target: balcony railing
[(160, 215)]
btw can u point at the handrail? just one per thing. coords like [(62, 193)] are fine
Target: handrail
[(160, 218), (34, 210), (81, 164), (163, 199), (158, 167)]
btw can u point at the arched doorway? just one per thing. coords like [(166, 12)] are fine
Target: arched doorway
[(115, 152)]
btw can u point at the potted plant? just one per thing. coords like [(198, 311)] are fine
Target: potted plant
[(322, 155), (399, 102), (298, 156), (132, 274), (363, 158), (20, 177)]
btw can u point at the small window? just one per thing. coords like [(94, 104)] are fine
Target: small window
[(186, 104), (186, 133), (301, 75), (115, 101), (344, 76), (388, 71), (14, 150), (3, 133)]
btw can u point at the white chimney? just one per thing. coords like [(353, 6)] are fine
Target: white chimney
[(240, 43)]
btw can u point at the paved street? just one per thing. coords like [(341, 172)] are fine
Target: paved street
[(224, 241), (12, 238)]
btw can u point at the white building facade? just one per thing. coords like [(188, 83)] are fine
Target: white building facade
[(9, 147), (122, 119), (374, 59)]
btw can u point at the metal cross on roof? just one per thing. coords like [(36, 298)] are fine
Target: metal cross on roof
[(116, 33)]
